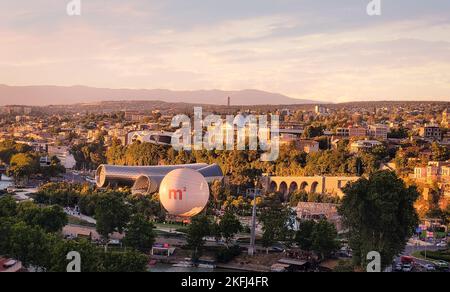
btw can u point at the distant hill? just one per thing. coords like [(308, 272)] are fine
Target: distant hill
[(60, 95)]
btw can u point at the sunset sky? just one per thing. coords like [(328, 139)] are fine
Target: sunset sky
[(314, 49)]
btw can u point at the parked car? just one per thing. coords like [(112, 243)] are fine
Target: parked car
[(442, 244), (398, 268), (278, 248), (429, 267), (442, 265), (407, 268)]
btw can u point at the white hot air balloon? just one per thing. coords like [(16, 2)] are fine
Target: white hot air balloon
[(184, 192)]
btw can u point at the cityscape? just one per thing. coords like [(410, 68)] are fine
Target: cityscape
[(98, 178)]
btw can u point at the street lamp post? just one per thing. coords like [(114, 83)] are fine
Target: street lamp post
[(255, 192)]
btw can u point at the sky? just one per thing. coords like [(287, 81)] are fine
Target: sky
[(323, 50)]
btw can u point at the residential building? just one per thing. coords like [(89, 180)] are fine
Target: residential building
[(357, 132), (63, 154), (308, 146), (160, 138), (430, 131), (446, 139), (320, 110), (364, 145), (378, 131), (343, 132), (19, 110), (45, 161), (434, 171)]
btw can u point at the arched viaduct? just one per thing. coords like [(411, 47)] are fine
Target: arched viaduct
[(332, 185)]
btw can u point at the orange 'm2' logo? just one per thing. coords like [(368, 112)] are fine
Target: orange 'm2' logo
[(176, 194)]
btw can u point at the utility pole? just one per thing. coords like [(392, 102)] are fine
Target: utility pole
[(255, 192), (425, 252)]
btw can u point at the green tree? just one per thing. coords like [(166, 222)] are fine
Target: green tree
[(303, 236), (50, 219), (115, 154), (30, 245), (370, 163), (313, 131), (7, 151), (324, 236), (147, 206), (140, 233), (228, 226), (344, 266), (6, 224), (8, 207), (23, 165), (143, 154), (219, 191), (400, 133), (90, 258), (111, 213), (297, 197), (380, 215), (319, 237), (9, 148), (439, 153), (380, 152), (277, 220), (89, 155), (54, 169), (95, 260), (196, 232), (124, 262)]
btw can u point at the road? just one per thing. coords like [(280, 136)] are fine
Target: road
[(80, 216), (411, 248), (72, 177)]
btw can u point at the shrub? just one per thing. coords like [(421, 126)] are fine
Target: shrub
[(437, 255), (225, 255)]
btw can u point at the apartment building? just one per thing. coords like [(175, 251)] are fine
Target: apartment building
[(434, 171), (63, 154), (378, 131), (343, 132), (357, 132), (430, 131), (364, 145)]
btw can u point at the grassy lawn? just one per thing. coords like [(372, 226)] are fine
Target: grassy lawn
[(174, 227), (160, 233), (433, 256), (77, 221), (417, 254)]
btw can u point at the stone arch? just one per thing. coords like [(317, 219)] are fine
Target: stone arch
[(273, 187), (293, 187), (283, 188), (314, 187), (303, 186)]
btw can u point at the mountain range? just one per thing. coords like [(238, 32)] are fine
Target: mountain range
[(65, 95)]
